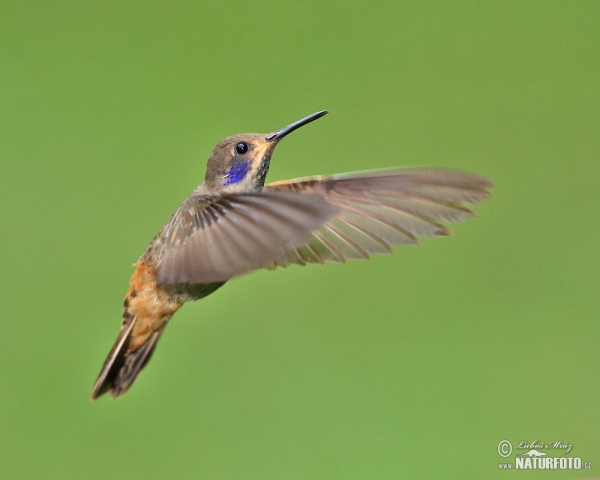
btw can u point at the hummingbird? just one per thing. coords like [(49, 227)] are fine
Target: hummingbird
[(233, 223)]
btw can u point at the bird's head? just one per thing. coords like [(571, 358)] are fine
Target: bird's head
[(240, 163)]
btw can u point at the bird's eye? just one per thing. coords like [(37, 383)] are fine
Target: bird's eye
[(241, 148)]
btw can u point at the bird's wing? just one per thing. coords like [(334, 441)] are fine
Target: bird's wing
[(212, 238), (381, 208)]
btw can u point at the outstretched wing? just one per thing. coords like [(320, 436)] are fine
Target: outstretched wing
[(212, 238), (381, 208)]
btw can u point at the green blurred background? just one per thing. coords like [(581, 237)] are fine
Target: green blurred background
[(410, 366)]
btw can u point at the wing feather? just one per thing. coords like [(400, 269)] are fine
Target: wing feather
[(382, 208), (213, 238)]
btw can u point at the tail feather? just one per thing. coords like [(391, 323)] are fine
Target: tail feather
[(121, 367)]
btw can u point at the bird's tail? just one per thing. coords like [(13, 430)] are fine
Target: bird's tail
[(122, 366)]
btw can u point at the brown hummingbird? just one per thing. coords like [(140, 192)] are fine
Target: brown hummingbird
[(232, 223)]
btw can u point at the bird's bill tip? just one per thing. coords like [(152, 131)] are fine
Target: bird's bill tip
[(282, 132)]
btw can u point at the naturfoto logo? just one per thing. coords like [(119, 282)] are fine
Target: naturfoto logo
[(540, 455)]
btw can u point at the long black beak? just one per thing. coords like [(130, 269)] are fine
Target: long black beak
[(282, 132)]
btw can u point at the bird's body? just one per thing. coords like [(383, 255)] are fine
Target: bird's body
[(232, 224)]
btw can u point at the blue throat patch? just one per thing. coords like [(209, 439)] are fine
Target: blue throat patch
[(237, 171)]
